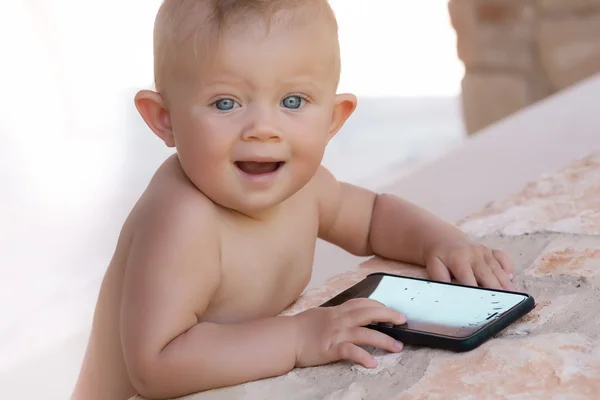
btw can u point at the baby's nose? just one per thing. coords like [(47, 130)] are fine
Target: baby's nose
[(262, 135), (262, 130)]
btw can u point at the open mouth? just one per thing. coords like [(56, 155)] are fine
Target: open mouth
[(258, 168)]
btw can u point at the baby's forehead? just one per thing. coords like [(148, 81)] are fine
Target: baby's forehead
[(197, 37), (256, 64)]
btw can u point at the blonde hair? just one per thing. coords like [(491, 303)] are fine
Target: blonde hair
[(180, 21)]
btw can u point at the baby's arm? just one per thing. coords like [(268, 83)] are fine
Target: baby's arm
[(172, 273), (365, 223)]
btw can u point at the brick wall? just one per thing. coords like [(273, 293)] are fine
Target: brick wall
[(517, 52)]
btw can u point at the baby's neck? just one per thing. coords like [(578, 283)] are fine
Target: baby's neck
[(261, 215)]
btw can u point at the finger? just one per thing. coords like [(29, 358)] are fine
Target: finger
[(501, 275), (362, 302), (463, 272), (349, 351), (368, 315), (485, 276), (371, 337), (505, 261), (437, 270)]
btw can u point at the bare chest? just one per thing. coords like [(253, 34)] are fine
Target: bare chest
[(265, 269)]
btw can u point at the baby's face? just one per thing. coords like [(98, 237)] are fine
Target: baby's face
[(251, 126)]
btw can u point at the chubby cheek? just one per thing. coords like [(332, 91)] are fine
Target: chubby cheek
[(308, 152), (203, 147), (206, 135), (310, 140)]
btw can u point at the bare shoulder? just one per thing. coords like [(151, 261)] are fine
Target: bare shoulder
[(172, 202), (174, 234), (327, 191), (173, 265)]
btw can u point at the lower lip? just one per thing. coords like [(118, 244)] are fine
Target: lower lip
[(262, 179)]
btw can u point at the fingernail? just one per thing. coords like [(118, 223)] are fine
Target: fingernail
[(398, 345), (510, 276)]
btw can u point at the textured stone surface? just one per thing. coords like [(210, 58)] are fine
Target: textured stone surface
[(569, 48), (493, 34), (547, 45), (489, 96), (552, 353), (569, 256), (568, 202), (503, 11), (557, 6), (542, 367), (564, 316)]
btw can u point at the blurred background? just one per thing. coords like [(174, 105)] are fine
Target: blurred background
[(75, 156)]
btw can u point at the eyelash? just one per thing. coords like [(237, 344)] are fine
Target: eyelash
[(304, 97), (236, 104)]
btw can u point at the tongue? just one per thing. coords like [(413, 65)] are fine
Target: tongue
[(258, 168)]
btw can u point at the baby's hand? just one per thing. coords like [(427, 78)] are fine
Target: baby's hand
[(470, 263), (328, 334)]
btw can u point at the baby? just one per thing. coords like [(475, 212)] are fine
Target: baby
[(223, 239)]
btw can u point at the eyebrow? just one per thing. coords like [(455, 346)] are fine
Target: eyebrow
[(227, 81), (304, 82)]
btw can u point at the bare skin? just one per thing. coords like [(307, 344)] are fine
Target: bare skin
[(210, 319), (246, 271), (223, 239)]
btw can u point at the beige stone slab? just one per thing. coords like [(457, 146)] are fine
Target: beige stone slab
[(491, 96), (567, 202), (550, 353), (561, 6), (569, 256), (494, 34), (569, 48), (542, 367)]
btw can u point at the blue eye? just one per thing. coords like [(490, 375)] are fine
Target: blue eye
[(225, 104), (292, 102)]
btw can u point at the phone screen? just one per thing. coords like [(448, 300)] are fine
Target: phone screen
[(439, 308)]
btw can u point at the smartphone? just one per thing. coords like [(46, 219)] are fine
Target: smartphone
[(440, 315)]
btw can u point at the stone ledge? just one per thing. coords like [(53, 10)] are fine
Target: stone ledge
[(490, 96), (567, 202), (542, 367), (493, 35), (555, 340), (548, 44), (566, 6), (569, 48)]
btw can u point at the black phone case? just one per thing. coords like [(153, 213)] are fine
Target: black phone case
[(431, 340)]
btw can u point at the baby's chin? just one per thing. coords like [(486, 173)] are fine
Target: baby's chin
[(252, 203)]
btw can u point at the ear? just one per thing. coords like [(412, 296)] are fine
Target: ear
[(343, 107), (153, 110)]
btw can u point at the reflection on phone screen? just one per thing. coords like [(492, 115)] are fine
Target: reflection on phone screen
[(443, 309)]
